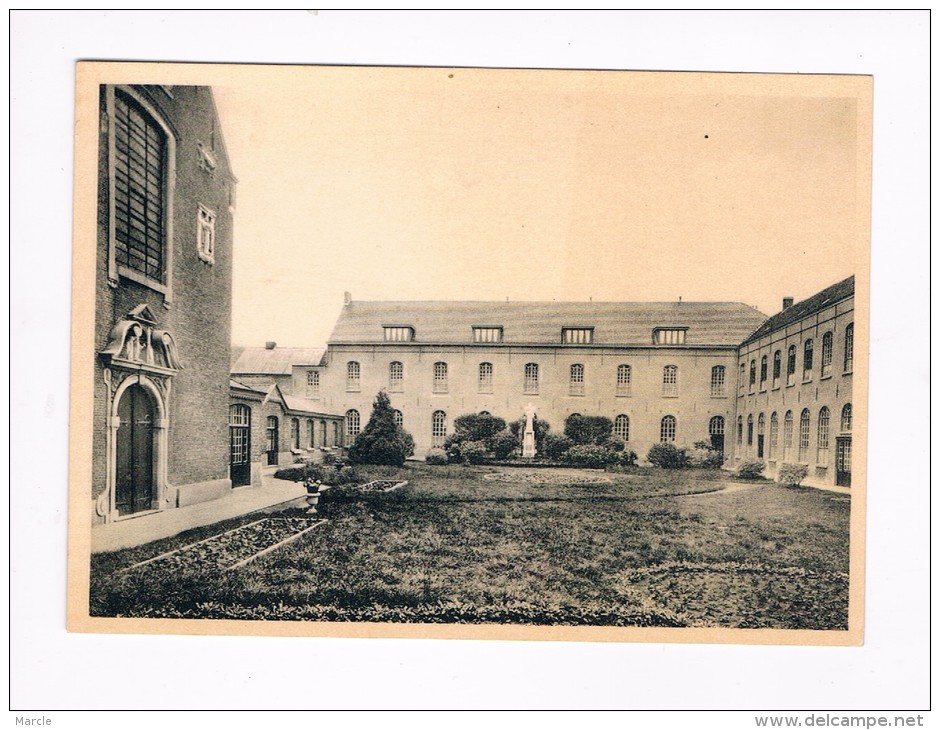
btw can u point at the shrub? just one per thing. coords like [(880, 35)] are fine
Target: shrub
[(614, 443), (453, 447), (588, 429), (703, 455), (329, 458), (381, 441), (626, 457), (555, 446), (291, 473), (503, 444), (751, 469), (478, 426), (541, 428), (589, 455), (474, 452), (436, 457), (332, 475), (791, 474), (667, 456)]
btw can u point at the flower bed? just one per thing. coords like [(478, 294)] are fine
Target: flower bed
[(233, 548), (383, 485), (567, 476)]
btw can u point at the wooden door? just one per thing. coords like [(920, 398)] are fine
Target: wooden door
[(134, 452), (844, 462), (272, 440), (240, 444)]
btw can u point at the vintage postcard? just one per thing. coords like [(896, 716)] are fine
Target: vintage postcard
[(469, 353)]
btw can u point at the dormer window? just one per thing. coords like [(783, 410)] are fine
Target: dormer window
[(669, 335), (398, 333), (577, 335), (487, 334)]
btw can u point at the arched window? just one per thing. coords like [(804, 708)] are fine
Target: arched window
[(787, 435), (750, 430), (323, 434), (774, 432), (752, 377), (667, 429), (846, 424), (396, 376), (485, 413), (338, 432), (623, 380), (622, 427), (763, 372), (825, 360), (311, 435), (142, 151), (822, 436), (295, 433), (352, 377), (804, 435), (849, 348), (741, 369), (718, 381), (716, 430), (760, 436), (530, 384), (807, 360), (485, 378), (740, 430), (791, 365), (438, 428), (670, 380), (352, 424), (576, 380), (776, 371), (399, 418), (440, 377)]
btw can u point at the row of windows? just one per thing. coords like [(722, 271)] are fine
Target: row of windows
[(530, 381), (621, 426), (803, 443), (569, 335), (825, 362)]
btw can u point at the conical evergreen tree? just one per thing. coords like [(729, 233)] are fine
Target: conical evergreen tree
[(381, 441)]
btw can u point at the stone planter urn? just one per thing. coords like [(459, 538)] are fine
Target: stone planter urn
[(313, 495)]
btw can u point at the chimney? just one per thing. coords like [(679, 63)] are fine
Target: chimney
[(347, 299), (270, 345), (787, 302)]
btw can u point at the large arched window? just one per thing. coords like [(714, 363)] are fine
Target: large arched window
[(438, 428), (530, 384), (352, 376), (776, 370), (787, 435), (718, 381), (622, 426), (808, 360), (825, 359), (716, 430), (822, 436), (846, 424), (791, 365), (804, 435), (670, 380), (750, 430), (396, 376), (849, 348), (440, 377), (352, 424), (774, 433), (667, 429), (763, 372), (623, 380), (142, 157), (576, 380), (485, 378)]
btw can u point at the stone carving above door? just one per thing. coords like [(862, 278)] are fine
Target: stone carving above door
[(136, 342)]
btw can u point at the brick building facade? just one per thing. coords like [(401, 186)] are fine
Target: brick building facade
[(163, 301)]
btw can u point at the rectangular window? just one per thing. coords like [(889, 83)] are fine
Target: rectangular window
[(487, 334), (670, 381), (205, 235), (440, 377), (313, 381), (396, 377), (576, 380), (577, 335), (718, 381), (669, 336), (849, 348), (530, 384), (826, 359), (807, 361), (623, 380), (485, 378), (352, 377), (399, 334)]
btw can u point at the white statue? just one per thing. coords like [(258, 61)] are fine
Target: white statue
[(528, 436)]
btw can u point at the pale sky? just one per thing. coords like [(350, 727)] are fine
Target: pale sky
[(468, 184)]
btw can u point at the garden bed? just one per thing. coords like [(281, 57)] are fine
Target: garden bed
[(383, 485)]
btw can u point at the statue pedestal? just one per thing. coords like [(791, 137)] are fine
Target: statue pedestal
[(528, 445)]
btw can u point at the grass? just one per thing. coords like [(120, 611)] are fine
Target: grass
[(646, 548)]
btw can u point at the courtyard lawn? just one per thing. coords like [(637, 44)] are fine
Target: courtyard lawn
[(542, 546)]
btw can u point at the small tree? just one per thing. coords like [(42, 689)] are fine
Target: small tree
[(478, 426), (588, 429), (381, 441)]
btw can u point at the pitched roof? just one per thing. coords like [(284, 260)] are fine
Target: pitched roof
[(828, 296), (303, 405), (276, 361), (540, 323), (235, 385)]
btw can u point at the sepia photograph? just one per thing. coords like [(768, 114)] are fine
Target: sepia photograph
[(470, 353)]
